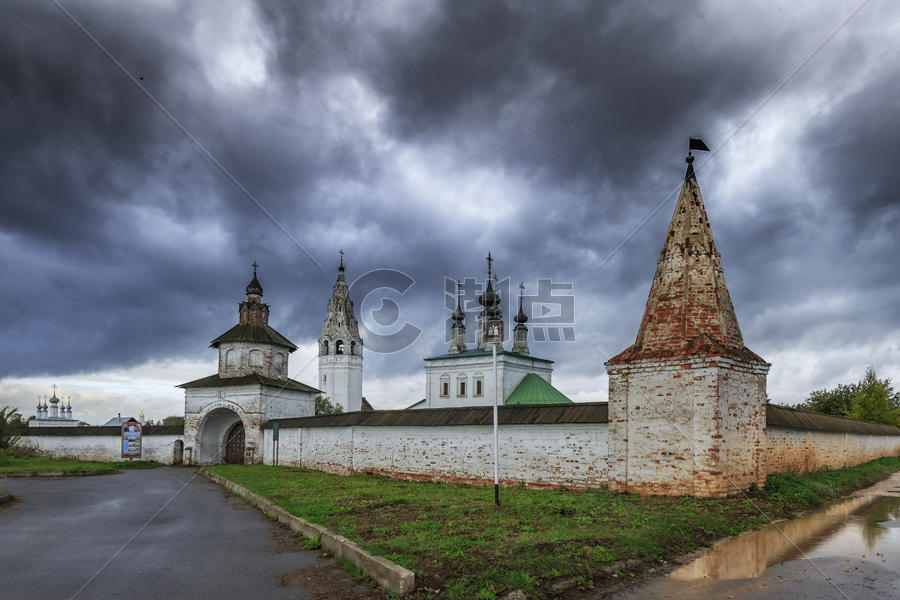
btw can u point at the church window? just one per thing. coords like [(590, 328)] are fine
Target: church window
[(325, 347), (353, 347), (445, 386), (256, 358), (231, 358), (462, 389), (339, 347), (479, 387), (277, 361)]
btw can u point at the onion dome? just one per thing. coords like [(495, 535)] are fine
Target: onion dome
[(54, 399), (458, 316), (521, 318), (489, 298), (254, 287)]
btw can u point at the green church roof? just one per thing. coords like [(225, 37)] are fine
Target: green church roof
[(534, 389)]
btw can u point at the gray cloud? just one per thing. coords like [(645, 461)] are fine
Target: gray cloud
[(419, 135)]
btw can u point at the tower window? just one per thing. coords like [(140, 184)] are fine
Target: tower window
[(339, 347), (352, 347), (325, 347)]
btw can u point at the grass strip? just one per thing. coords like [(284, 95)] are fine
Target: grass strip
[(18, 461), (461, 546)]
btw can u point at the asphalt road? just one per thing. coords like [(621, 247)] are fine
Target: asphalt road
[(203, 544)]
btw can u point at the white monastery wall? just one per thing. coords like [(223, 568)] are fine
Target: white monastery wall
[(160, 448), (572, 455), (803, 451)]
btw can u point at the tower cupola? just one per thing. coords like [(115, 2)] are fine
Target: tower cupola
[(520, 331), (458, 327), (492, 311), (252, 346)]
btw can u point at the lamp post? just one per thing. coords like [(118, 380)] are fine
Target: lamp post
[(493, 334), (496, 432)]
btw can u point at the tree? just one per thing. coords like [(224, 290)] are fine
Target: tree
[(872, 401), (10, 421), (831, 402), (173, 420), (325, 407)]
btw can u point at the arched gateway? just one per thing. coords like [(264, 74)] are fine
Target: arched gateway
[(224, 413)]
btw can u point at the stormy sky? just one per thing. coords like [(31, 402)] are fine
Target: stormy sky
[(151, 151)]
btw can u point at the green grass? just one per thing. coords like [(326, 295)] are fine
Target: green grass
[(458, 542), (19, 461)]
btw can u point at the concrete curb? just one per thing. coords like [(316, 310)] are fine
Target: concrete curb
[(74, 473), (389, 575), (4, 498)]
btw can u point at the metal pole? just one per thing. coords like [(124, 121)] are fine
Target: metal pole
[(275, 442), (496, 433)]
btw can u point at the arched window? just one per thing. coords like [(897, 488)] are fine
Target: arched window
[(256, 358), (231, 358), (353, 347), (339, 347), (277, 361), (325, 347)]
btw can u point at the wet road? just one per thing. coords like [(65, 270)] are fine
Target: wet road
[(850, 550), (203, 544)]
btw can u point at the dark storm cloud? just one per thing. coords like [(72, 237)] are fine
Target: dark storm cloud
[(124, 243)]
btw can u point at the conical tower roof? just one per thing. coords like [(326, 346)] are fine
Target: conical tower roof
[(340, 320), (689, 310)]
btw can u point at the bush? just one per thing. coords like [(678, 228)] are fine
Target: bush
[(10, 422)]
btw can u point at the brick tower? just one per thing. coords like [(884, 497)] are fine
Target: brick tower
[(687, 399)]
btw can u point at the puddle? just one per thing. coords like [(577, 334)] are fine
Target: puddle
[(849, 549), (868, 525)]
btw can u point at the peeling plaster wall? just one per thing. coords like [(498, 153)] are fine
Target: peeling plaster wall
[(573, 455), (160, 448), (694, 426), (802, 451)]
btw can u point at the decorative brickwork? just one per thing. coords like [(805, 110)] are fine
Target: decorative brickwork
[(687, 399)]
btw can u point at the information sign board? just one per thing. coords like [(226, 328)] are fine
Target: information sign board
[(131, 439)]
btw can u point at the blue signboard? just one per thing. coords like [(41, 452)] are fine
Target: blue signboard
[(131, 439)]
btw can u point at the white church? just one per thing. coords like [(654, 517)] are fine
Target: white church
[(225, 412), (465, 377)]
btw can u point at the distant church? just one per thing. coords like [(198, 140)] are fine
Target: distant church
[(464, 377), (53, 412)]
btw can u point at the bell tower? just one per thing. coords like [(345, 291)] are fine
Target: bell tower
[(341, 349)]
